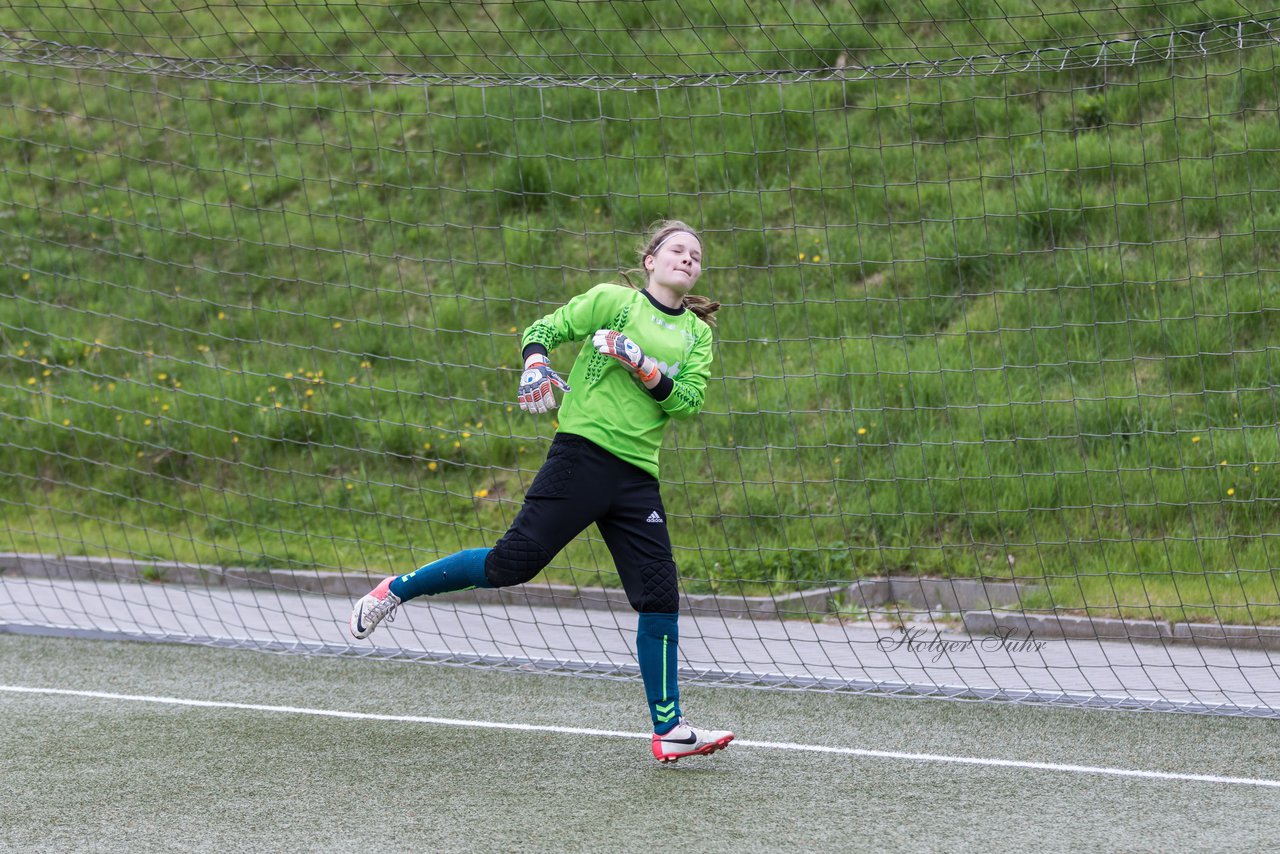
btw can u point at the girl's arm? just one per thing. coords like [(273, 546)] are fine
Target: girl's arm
[(571, 322), (683, 397), (576, 319)]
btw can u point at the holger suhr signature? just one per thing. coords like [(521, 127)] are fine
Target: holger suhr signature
[(919, 640)]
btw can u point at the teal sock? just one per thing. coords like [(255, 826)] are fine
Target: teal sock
[(656, 643), (460, 571)]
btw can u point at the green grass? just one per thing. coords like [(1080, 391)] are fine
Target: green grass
[(966, 319), (220, 779)]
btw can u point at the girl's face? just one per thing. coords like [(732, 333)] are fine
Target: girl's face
[(677, 263)]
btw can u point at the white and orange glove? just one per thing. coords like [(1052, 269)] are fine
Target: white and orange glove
[(536, 384), (618, 346)]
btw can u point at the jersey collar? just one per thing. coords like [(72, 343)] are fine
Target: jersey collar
[(674, 312)]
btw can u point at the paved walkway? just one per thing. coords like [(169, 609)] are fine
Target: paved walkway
[(920, 658)]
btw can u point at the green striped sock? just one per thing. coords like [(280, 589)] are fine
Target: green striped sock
[(657, 639)]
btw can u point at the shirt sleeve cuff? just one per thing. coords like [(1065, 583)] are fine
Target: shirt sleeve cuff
[(533, 348), (663, 389)]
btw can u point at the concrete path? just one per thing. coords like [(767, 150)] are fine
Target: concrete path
[(919, 658)]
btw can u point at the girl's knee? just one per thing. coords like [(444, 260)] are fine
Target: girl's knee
[(515, 559), (657, 590)]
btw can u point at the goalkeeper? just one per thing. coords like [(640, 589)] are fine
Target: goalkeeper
[(645, 360)]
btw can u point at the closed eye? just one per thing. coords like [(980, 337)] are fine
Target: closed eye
[(679, 248)]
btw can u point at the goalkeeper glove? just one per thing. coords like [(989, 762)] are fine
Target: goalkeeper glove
[(536, 382), (618, 346)]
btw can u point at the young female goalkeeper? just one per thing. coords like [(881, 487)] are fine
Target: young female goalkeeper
[(646, 361)]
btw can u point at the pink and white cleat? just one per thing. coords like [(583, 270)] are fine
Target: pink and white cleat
[(689, 740), (375, 606)]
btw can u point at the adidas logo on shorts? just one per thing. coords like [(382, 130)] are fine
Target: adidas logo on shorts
[(654, 517)]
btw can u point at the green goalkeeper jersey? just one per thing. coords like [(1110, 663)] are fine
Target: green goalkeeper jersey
[(607, 404)]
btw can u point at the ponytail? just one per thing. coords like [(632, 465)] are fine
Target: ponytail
[(702, 306)]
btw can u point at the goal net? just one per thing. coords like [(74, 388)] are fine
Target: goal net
[(992, 413)]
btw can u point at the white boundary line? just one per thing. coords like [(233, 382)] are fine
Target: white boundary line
[(606, 733)]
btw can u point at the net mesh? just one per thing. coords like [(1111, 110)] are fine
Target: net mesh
[(992, 413)]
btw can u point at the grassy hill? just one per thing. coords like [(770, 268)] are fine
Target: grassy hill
[(987, 325)]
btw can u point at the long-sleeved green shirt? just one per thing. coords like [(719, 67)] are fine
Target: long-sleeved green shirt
[(607, 404)]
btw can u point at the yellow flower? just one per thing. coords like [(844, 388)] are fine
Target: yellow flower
[(350, 487), (222, 315), (817, 258), (26, 277), (1223, 463), (32, 381), (162, 377), (482, 493), (337, 324), (1231, 492), (309, 392), (431, 466), (862, 431), (164, 408), (235, 440), (66, 422), (466, 435), (146, 423), (457, 444), (801, 256), (1195, 439), (288, 375), (426, 446)]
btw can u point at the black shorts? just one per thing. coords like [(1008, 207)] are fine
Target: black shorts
[(581, 483)]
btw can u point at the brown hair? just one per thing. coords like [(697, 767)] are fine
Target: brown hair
[(703, 307)]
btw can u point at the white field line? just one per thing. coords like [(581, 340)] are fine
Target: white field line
[(606, 733)]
